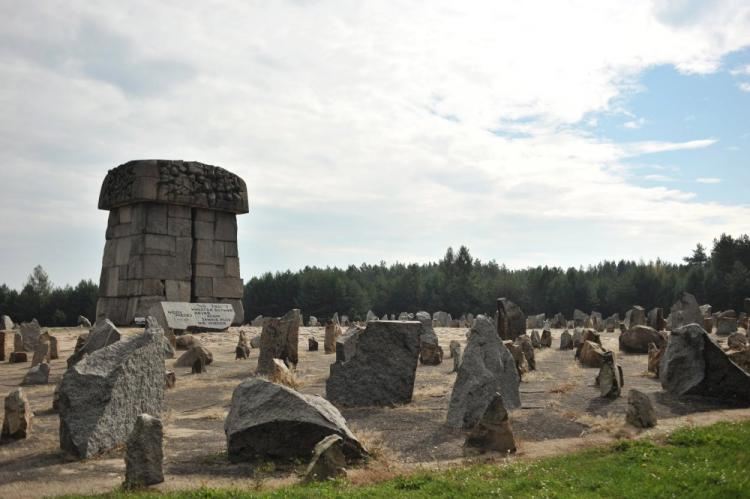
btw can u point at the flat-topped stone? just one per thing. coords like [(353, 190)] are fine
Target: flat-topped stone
[(176, 182)]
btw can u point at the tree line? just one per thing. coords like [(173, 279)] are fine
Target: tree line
[(456, 284)]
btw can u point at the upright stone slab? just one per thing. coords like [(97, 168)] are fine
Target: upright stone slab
[(382, 369), (279, 339), (511, 322), (636, 316), (685, 311), (430, 352), (102, 395), (2, 345), (171, 236), (487, 368), (6, 323), (30, 332), (144, 455), (18, 417), (694, 364)]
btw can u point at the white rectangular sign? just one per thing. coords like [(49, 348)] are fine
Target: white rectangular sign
[(181, 315)]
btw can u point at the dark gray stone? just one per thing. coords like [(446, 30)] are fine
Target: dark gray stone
[(144, 455), (37, 375), (487, 368), (566, 341), (637, 339), (640, 412), (511, 322), (694, 364), (18, 417), (492, 432), (267, 420), (102, 395), (279, 339), (382, 370), (685, 311), (546, 340)]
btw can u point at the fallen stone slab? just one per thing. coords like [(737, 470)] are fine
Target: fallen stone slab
[(694, 364), (197, 351), (328, 460), (382, 369), (487, 368), (103, 394), (271, 421)]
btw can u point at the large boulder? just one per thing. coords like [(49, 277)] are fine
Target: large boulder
[(637, 339), (685, 311), (640, 412), (103, 333), (591, 354), (487, 368), (143, 457), (694, 364), (511, 322), (382, 367), (267, 420), (279, 339), (30, 332), (18, 417), (101, 396)]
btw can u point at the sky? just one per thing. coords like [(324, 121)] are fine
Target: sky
[(535, 133)]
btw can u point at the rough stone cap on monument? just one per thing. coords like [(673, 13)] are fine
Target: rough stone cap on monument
[(186, 183)]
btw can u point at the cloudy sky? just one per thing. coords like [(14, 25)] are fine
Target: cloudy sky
[(549, 132)]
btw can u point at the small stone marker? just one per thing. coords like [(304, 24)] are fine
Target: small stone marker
[(18, 417), (546, 338), (37, 375), (279, 339), (640, 412), (536, 340), (455, 348), (312, 344), (333, 331), (197, 351), (143, 457), (170, 379), (2, 345), (566, 341), (17, 357), (610, 379)]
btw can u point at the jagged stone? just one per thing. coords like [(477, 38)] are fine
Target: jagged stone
[(83, 322), (185, 341), (694, 364), (511, 322), (636, 316), (383, 369), (685, 311), (257, 322), (640, 412), (654, 357), (6, 323), (312, 344), (546, 340), (37, 375), (536, 340), (255, 342), (328, 460), (268, 420), (591, 354), (522, 366), (279, 340), (455, 348), (103, 333), (487, 368), (737, 341), (144, 455), (102, 395), (242, 350), (312, 321), (41, 351), (493, 431), (610, 379), (579, 318), (332, 333), (18, 417), (30, 332), (524, 342), (566, 341)]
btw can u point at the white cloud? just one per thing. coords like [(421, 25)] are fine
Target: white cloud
[(708, 180), (741, 70), (744, 86), (634, 124), (363, 126), (658, 178)]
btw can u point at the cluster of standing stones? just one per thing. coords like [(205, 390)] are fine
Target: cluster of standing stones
[(172, 237)]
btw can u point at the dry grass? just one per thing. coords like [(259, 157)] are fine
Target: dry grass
[(537, 376), (430, 391), (611, 424), (563, 388), (383, 463)]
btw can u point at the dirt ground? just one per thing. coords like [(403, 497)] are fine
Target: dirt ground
[(561, 412)]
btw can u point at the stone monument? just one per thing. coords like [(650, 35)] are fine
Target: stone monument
[(171, 236)]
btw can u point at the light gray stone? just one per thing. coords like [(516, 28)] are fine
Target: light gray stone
[(30, 332), (102, 395), (487, 368), (195, 352), (685, 311), (6, 323), (640, 412), (383, 369), (144, 455), (279, 339), (268, 420), (328, 460)]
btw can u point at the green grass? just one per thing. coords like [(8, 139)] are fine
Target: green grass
[(706, 462)]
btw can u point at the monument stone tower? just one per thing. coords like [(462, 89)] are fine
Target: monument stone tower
[(171, 236)]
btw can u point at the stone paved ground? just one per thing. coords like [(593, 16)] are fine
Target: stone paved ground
[(559, 400)]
